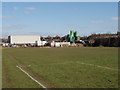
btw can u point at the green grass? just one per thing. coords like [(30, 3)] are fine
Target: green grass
[(61, 67)]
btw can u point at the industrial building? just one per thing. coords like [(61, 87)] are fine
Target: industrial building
[(71, 39), (23, 39), (59, 44)]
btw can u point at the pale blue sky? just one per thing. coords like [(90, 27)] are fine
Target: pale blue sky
[(50, 18)]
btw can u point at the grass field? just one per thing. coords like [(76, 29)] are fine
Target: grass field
[(72, 67)]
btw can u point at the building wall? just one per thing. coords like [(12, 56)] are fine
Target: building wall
[(65, 44), (23, 39)]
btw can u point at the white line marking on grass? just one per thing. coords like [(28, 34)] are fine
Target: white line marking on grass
[(99, 66), (88, 65), (31, 77)]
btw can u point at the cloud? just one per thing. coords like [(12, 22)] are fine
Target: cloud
[(15, 8), (115, 18), (97, 21), (5, 17), (26, 12), (13, 27), (30, 8)]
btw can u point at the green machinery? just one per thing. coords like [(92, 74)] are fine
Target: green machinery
[(73, 37)]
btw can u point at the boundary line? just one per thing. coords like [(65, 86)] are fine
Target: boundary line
[(98, 66), (31, 77), (87, 65)]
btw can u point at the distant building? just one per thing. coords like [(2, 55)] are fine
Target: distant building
[(23, 39)]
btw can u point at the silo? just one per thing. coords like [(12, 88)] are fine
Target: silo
[(71, 39), (76, 35), (71, 33)]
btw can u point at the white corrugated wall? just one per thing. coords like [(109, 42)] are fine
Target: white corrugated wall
[(24, 39)]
